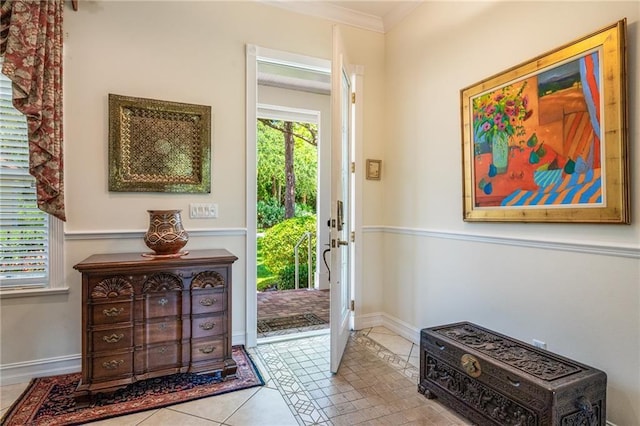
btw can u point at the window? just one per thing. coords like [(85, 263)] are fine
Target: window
[(26, 232)]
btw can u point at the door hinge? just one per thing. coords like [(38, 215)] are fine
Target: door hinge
[(353, 167), (353, 236), (352, 305), (353, 97)]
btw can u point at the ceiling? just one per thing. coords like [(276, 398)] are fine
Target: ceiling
[(379, 16)]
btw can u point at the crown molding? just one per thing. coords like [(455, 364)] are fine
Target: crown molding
[(331, 12), (398, 13)]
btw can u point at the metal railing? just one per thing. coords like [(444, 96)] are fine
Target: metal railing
[(305, 236)]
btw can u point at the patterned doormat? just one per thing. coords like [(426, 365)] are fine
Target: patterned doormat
[(49, 400), (298, 322)]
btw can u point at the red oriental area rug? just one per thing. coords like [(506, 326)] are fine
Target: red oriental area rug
[(49, 400)]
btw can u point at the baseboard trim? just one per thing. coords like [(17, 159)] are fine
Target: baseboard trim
[(21, 372), (238, 339), (401, 328), (361, 322), (380, 319)]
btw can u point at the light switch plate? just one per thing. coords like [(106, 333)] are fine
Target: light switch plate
[(203, 210)]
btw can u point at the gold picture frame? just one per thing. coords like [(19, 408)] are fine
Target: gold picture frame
[(158, 146), (546, 140), (374, 169)]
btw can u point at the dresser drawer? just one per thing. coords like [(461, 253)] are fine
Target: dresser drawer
[(162, 304), (111, 313), (113, 338), (211, 325), (207, 349), (162, 330), (216, 278), (162, 356), (207, 301), (113, 365)]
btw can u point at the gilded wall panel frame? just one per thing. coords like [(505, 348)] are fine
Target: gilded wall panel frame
[(158, 146)]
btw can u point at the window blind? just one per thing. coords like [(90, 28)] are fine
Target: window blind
[(24, 229)]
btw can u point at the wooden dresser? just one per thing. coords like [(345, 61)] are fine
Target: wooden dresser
[(493, 379), (148, 317)]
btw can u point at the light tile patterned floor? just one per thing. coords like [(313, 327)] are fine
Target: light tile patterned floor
[(375, 385)]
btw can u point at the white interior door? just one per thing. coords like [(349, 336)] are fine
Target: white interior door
[(340, 284)]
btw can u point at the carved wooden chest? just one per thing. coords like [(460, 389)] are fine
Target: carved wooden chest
[(492, 379)]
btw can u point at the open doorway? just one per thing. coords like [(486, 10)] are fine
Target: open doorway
[(258, 80), (290, 300), (292, 196)]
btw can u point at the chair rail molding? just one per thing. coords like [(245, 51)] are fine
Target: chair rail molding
[(134, 234), (620, 250)]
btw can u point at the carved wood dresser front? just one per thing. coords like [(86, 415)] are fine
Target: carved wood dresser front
[(148, 317)]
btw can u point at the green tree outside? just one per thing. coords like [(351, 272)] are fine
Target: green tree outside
[(287, 194)]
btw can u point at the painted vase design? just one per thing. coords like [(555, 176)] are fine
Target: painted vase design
[(165, 234), (500, 152)]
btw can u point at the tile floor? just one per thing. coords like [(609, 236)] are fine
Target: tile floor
[(375, 385)]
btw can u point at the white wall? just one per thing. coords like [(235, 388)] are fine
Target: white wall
[(191, 52), (582, 299)]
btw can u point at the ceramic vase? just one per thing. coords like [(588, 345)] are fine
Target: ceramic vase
[(500, 152), (166, 234)]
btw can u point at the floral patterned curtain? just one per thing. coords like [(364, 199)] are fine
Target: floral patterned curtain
[(31, 43)]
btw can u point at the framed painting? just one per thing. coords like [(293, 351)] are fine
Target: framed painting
[(546, 140), (158, 146), (374, 167)]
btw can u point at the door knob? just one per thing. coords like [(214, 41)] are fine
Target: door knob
[(343, 243)]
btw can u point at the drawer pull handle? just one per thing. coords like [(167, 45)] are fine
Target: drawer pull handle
[(163, 301), (207, 301), (163, 326), (207, 350), (113, 312), (207, 325), (162, 349), (440, 346), (113, 364), (114, 338), (515, 383)]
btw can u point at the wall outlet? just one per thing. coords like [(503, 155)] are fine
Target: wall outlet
[(203, 211), (539, 344)]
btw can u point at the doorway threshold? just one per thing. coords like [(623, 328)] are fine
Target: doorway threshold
[(292, 336)]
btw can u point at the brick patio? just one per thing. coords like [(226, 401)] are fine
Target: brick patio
[(290, 302)]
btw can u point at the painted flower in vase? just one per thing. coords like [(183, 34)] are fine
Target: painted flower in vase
[(498, 117)]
